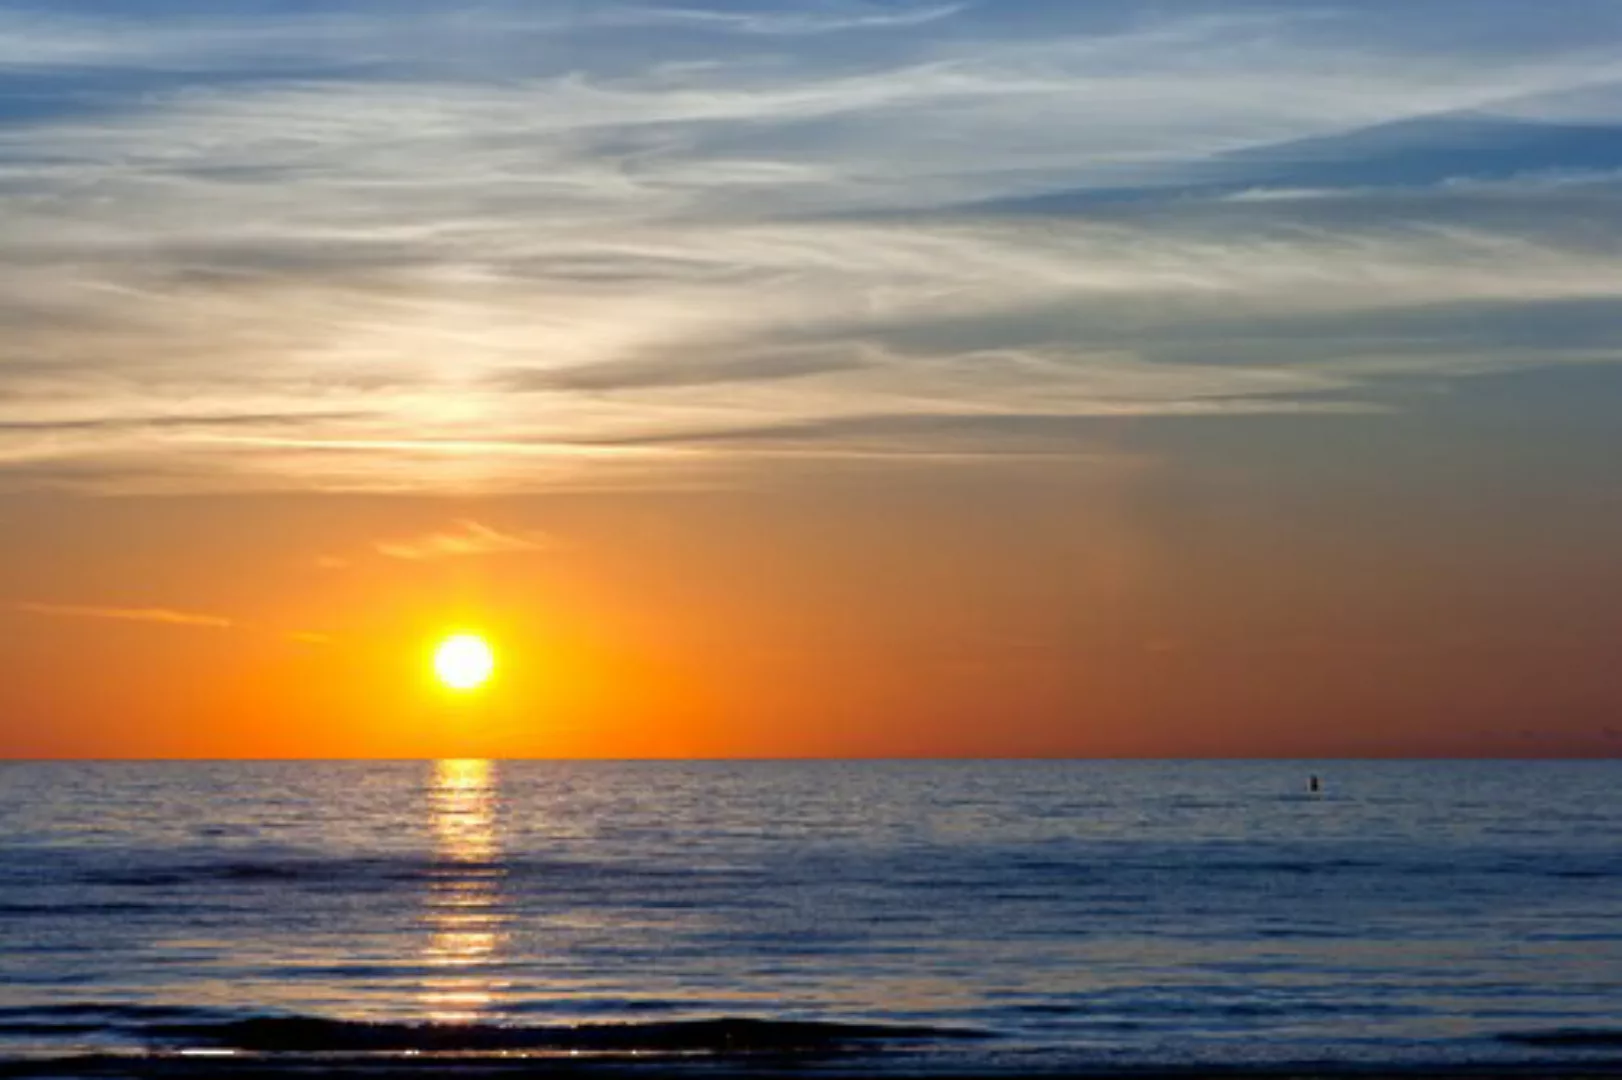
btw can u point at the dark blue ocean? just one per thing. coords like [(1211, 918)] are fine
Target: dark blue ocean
[(883, 917)]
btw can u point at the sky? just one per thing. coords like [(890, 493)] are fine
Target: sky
[(811, 377)]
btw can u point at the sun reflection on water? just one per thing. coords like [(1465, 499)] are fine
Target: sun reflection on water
[(464, 916)]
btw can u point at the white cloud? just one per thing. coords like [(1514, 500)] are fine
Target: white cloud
[(161, 616), (165, 616), (345, 278), (826, 19), (466, 538)]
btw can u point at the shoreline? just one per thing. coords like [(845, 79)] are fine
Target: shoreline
[(383, 1066)]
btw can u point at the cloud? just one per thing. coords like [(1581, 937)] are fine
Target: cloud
[(543, 247), (164, 616), (101, 423), (468, 538), (828, 19), (647, 373)]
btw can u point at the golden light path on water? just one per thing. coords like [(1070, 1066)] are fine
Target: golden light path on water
[(464, 917)]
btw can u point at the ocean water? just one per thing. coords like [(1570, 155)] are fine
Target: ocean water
[(913, 918)]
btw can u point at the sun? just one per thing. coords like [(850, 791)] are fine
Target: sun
[(464, 661)]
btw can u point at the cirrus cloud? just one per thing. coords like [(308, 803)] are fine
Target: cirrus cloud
[(161, 616), (165, 616), (534, 246), (466, 538)]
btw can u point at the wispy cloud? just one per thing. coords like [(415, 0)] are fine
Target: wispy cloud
[(524, 246), (826, 19), (465, 539), (165, 616)]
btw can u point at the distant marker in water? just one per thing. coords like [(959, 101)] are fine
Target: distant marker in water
[(1312, 784)]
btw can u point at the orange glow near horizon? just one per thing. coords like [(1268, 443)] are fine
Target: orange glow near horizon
[(838, 625)]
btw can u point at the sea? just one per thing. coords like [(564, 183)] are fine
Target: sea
[(913, 918)]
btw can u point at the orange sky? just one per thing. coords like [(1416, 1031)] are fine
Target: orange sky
[(1078, 611)]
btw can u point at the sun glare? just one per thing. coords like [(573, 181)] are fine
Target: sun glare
[(464, 661)]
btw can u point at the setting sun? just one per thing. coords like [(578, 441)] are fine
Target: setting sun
[(464, 662)]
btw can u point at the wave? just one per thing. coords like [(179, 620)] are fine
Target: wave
[(169, 1029), (381, 872), (275, 867), (86, 1018), (724, 1035), (1574, 1038), (102, 1010), (111, 907)]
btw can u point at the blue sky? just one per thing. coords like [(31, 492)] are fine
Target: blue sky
[(507, 246)]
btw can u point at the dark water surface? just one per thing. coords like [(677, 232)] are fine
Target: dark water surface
[(868, 917)]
